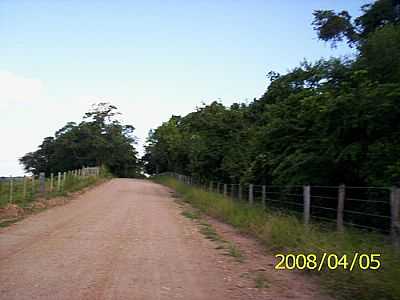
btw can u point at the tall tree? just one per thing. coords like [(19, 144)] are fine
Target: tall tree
[(100, 139), (328, 122)]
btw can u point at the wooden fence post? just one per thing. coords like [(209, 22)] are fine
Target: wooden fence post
[(51, 182), (24, 190), (11, 189), (211, 186), (395, 215), (251, 194), (340, 207), (306, 198), (225, 189), (264, 196), (63, 180), (59, 182), (33, 184), (218, 184), (240, 192), (42, 183)]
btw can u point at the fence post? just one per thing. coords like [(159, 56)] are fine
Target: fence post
[(340, 207), (225, 189), (42, 183), (395, 212), (211, 186), (264, 195), (240, 192), (11, 189), (306, 198), (218, 184), (33, 184), (251, 194), (24, 190), (51, 182), (63, 181), (59, 182)]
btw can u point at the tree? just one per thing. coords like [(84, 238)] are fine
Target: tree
[(100, 139), (328, 122), (336, 27)]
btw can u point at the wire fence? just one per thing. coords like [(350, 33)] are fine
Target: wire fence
[(368, 208), (22, 190)]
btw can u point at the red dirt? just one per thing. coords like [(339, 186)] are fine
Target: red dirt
[(127, 239)]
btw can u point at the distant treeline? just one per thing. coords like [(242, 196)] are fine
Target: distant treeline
[(327, 122), (99, 140)]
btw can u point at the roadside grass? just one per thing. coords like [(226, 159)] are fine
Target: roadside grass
[(25, 193), (28, 203), (284, 233), (9, 222), (193, 215), (23, 199), (210, 233), (260, 281), (235, 252)]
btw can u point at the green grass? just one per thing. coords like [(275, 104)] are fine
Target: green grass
[(8, 222), (260, 281), (284, 233), (193, 215), (24, 199), (209, 232), (235, 252)]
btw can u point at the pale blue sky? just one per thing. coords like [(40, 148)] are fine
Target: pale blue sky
[(152, 59)]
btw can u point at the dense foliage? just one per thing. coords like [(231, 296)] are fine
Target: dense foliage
[(328, 122), (100, 139)]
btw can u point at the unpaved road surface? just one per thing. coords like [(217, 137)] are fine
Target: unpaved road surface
[(125, 239)]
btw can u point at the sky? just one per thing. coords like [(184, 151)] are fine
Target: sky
[(151, 59)]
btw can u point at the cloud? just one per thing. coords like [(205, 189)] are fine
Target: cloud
[(16, 88)]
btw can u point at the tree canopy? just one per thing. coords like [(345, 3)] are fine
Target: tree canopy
[(325, 122), (100, 139)]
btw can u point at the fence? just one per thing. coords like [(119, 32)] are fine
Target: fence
[(371, 208), (22, 189)]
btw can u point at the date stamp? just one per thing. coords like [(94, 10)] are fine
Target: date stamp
[(328, 261)]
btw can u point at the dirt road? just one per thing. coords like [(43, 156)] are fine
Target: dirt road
[(125, 239)]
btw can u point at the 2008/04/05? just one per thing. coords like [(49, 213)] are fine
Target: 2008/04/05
[(331, 261)]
